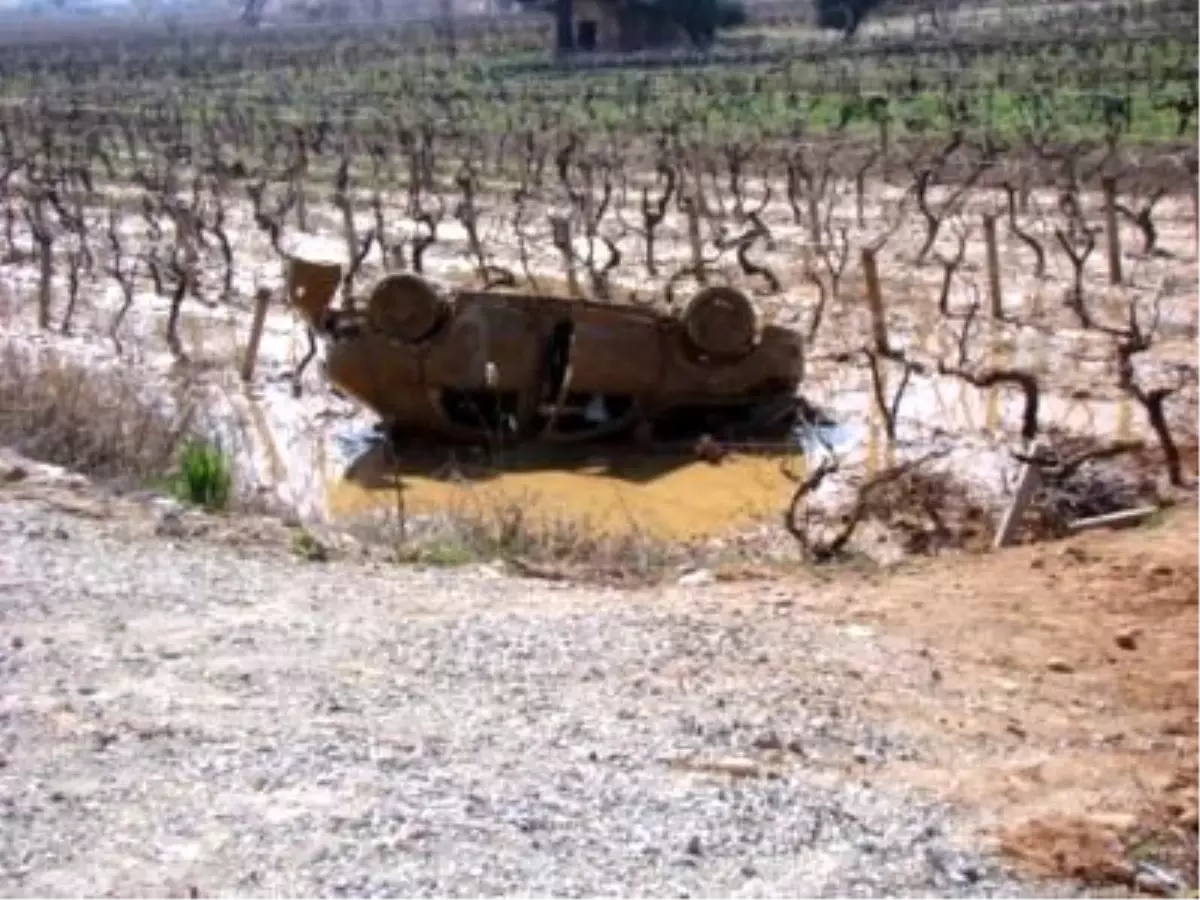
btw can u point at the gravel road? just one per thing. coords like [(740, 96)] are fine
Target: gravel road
[(181, 717)]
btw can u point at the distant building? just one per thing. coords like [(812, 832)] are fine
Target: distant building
[(610, 26)]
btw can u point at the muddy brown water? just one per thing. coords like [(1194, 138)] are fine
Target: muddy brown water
[(670, 497), (674, 495)]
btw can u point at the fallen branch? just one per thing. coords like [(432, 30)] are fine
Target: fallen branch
[(825, 551)]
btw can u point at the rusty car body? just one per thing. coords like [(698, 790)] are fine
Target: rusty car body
[(469, 365)]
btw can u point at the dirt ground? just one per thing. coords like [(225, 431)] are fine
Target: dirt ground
[(1047, 693), (1062, 694)]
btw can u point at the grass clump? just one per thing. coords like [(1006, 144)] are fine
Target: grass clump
[(205, 475)]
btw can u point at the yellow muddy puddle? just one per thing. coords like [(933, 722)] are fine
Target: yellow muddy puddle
[(668, 497)]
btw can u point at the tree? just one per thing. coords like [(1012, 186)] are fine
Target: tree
[(843, 15), (700, 19), (252, 11)]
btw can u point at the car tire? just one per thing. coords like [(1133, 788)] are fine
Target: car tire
[(720, 322), (405, 307)]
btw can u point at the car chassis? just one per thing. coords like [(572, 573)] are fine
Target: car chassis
[(474, 366)]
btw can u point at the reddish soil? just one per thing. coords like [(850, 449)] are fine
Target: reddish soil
[(1064, 705)]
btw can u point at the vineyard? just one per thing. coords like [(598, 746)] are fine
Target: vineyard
[(985, 232)]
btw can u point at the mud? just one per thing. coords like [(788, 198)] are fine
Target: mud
[(610, 490)]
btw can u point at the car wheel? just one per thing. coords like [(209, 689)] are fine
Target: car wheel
[(721, 322), (405, 307)]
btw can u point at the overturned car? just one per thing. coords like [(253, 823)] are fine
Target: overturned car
[(473, 366)]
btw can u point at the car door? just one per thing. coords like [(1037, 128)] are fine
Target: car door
[(615, 352)]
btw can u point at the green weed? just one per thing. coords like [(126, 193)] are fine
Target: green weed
[(205, 476)]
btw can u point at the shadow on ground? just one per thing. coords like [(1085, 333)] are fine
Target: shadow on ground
[(377, 467)]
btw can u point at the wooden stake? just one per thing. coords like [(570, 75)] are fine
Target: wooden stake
[(874, 439), (298, 183), (993, 267), (814, 218), (875, 300), (1027, 482), (262, 300), (562, 240), (1120, 519), (695, 241), (1110, 227), (1000, 354), (1196, 208), (1124, 418), (860, 191), (45, 281)]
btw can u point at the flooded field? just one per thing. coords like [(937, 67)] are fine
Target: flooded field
[(337, 466), (313, 449)]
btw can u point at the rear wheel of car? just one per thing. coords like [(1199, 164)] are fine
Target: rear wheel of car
[(721, 322), (406, 307)]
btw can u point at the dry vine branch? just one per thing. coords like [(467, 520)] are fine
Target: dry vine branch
[(520, 201), (1153, 401), (217, 228), (125, 274), (889, 409), (826, 550), (950, 266), (833, 250), (1054, 467), (811, 483), (430, 218), (44, 238), (1130, 342), (74, 263), (926, 176), (993, 376), (654, 211), (1078, 244), (742, 245), (467, 212), (1143, 218), (1039, 255), (804, 183)]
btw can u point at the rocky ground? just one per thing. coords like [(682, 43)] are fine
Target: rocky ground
[(199, 712)]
